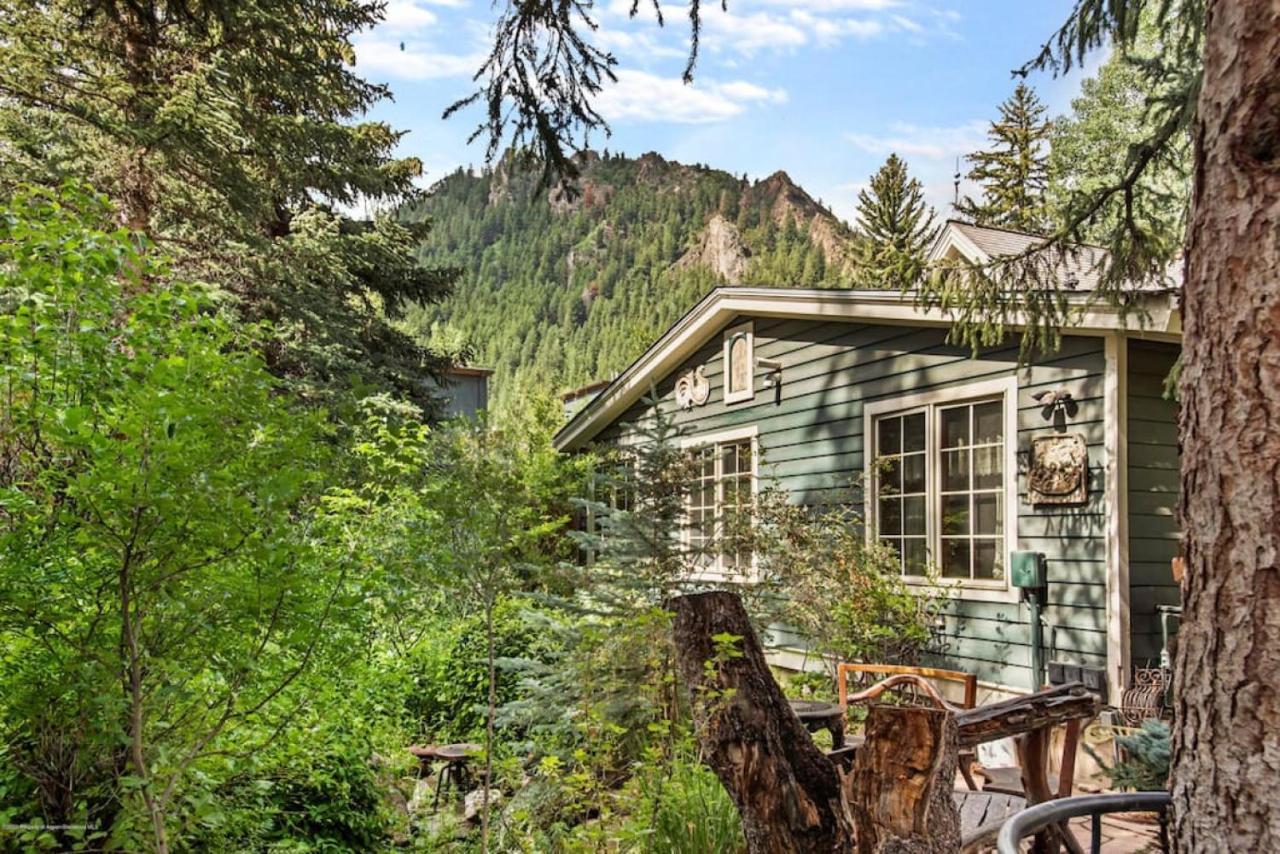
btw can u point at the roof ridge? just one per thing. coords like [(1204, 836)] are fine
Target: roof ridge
[(1003, 230)]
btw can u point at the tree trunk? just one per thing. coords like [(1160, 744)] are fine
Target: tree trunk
[(787, 791), (137, 182), (790, 795), (1227, 736), (902, 786), (490, 711)]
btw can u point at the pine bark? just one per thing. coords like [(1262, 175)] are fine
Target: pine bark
[(1227, 688)]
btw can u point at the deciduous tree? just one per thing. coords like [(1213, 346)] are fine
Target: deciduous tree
[(157, 578)]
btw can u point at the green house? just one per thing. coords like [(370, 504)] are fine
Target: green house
[(1073, 456)]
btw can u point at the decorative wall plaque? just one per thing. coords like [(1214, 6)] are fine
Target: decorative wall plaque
[(692, 389), (1059, 472)]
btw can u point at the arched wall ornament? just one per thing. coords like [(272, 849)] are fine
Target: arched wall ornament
[(692, 389)]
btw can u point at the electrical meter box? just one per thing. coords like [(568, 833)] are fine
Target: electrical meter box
[(1028, 569)]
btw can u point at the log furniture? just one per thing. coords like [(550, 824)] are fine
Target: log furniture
[(1030, 720), (898, 794), (816, 716)]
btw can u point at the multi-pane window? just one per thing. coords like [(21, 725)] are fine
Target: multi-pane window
[(971, 490), (701, 502), (900, 516), (615, 490), (940, 484), (719, 504)]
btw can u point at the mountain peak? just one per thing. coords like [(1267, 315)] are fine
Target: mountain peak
[(565, 286), (778, 179)]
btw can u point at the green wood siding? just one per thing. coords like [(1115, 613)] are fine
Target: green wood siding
[(811, 444), (1152, 429)]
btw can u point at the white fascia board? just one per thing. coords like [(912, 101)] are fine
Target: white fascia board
[(951, 237), (866, 306)]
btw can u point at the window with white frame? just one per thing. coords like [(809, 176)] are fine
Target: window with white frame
[(721, 499), (941, 481), (739, 360), (613, 489)]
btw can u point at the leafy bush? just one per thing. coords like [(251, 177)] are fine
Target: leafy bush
[(844, 594), (684, 809), (449, 672), (308, 795)]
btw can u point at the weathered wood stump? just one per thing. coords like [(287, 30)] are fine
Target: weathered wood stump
[(901, 788), (788, 792)]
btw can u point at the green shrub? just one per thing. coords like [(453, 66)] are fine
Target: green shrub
[(1146, 766), (684, 809), (449, 672), (317, 791), (843, 593)]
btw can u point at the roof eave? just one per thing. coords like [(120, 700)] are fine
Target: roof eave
[(719, 306)]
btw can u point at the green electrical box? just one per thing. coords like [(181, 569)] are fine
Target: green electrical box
[(1028, 569)]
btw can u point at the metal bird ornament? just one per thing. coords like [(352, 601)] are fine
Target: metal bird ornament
[(1056, 402)]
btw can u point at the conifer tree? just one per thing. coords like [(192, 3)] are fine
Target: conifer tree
[(1014, 172), (896, 227), (231, 134)]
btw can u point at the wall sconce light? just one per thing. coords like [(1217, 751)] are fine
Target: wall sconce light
[(773, 372), (772, 377)]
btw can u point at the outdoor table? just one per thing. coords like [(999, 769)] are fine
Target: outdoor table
[(455, 758), (815, 716)]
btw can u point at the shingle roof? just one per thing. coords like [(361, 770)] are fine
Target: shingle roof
[(1081, 263)]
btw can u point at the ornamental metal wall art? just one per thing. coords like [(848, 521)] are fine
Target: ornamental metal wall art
[(1059, 470), (692, 389)]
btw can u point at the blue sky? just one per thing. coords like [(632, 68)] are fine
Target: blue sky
[(823, 89)]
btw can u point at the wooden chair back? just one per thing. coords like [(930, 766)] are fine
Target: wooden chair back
[(865, 674)]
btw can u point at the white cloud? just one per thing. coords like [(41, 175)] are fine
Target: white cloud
[(785, 25), (928, 143), (385, 57), (406, 16), (837, 5), (749, 33), (907, 24), (640, 96), (931, 154), (637, 46), (830, 31)]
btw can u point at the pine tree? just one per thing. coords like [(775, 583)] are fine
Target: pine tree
[(1014, 173), (896, 227), (230, 133)]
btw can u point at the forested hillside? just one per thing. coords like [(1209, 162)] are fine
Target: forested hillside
[(561, 289)]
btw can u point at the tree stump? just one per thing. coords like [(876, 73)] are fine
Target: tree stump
[(901, 787), (788, 792)]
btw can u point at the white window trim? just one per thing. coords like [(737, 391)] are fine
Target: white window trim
[(749, 392), (716, 572), (974, 590)]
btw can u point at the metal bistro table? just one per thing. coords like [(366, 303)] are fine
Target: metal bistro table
[(815, 716)]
